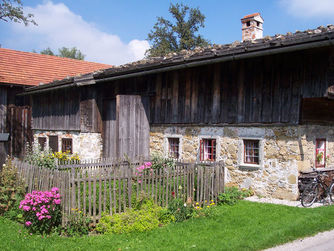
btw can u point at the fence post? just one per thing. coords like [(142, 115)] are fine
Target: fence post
[(129, 179)]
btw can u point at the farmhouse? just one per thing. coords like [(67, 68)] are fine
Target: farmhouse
[(19, 70), (264, 106)]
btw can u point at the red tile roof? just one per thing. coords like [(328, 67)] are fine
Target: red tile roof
[(251, 15), (27, 68)]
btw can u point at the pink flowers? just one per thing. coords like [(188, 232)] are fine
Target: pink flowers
[(140, 170), (41, 209)]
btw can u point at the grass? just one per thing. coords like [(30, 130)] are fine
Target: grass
[(245, 226)]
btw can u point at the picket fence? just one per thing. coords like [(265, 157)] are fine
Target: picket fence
[(108, 188)]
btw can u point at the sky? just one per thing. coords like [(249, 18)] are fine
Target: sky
[(115, 31)]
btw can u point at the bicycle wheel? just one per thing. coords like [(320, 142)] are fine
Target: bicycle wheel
[(331, 192), (309, 195)]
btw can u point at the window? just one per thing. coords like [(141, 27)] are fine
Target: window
[(320, 153), (208, 150), (251, 151), (53, 143), (41, 142), (66, 145), (248, 23), (173, 147)]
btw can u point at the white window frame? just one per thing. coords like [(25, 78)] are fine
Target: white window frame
[(166, 144), (241, 155), (200, 138)]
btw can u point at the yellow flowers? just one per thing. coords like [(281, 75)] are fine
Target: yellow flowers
[(65, 156), (76, 210), (197, 205)]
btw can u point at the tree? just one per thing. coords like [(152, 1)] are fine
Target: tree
[(47, 51), (71, 53), (65, 52), (12, 10), (167, 36)]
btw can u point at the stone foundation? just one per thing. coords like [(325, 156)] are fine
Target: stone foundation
[(284, 151), (86, 145)]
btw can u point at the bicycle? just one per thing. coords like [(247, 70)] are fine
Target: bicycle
[(317, 189)]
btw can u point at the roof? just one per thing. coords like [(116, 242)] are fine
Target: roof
[(27, 68), (251, 15), (315, 38)]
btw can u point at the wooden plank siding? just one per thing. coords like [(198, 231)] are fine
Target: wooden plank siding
[(57, 110), (317, 110), (261, 90)]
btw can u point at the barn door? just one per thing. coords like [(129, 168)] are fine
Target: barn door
[(126, 130), (109, 128), (19, 128)]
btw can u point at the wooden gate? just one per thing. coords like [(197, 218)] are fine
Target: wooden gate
[(126, 127), (19, 128)]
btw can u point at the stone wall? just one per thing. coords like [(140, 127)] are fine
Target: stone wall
[(86, 145), (284, 151)]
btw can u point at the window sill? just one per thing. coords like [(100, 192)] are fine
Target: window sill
[(249, 167)]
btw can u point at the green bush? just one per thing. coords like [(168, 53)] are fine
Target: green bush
[(232, 195), (181, 210), (159, 161), (11, 188), (42, 211), (144, 216), (42, 158), (77, 224)]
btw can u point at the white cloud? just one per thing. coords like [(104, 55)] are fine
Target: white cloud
[(58, 26), (309, 8)]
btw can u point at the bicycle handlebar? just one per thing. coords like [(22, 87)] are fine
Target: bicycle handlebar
[(320, 172)]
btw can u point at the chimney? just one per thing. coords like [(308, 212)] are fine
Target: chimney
[(252, 27)]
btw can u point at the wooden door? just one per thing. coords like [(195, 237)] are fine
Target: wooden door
[(126, 127), (109, 134), (19, 128)]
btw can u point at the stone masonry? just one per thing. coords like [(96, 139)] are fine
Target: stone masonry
[(86, 145), (284, 151)]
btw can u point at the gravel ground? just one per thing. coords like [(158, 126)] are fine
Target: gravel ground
[(281, 202), (321, 242)]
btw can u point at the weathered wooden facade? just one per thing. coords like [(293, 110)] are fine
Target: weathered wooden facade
[(265, 107), (13, 119)]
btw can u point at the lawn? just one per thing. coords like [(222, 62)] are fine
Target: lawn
[(245, 226)]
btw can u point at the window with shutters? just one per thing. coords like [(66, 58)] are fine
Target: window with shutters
[(53, 143), (320, 153), (42, 142), (66, 145), (173, 148), (207, 150)]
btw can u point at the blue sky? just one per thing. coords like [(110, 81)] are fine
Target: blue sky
[(114, 32)]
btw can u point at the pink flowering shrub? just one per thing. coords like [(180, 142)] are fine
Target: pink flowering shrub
[(147, 167), (42, 210)]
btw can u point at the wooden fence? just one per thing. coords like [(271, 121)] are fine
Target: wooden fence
[(113, 187)]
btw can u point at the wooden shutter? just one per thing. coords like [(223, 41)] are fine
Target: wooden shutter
[(53, 143), (41, 142)]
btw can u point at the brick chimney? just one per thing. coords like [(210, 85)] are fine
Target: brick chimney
[(252, 27)]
